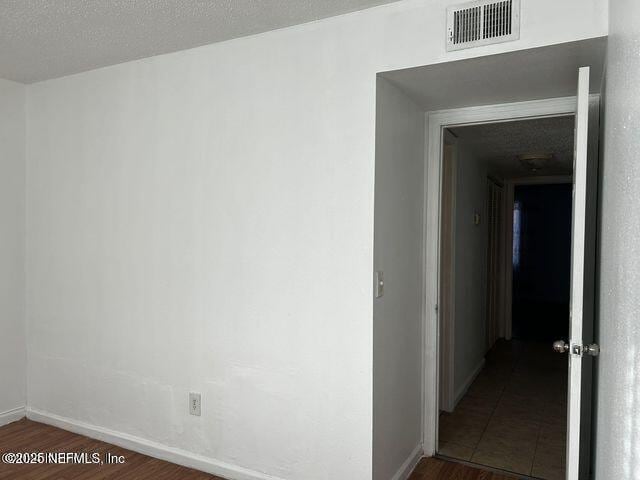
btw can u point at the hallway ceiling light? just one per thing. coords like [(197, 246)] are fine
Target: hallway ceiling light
[(535, 161)]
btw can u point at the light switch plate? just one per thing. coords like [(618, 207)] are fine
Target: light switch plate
[(379, 283)]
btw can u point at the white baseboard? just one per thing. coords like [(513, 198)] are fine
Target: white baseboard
[(467, 383), (409, 464), (148, 447), (12, 415)]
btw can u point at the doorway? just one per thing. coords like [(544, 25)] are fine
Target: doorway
[(508, 411), (411, 381), (512, 212)]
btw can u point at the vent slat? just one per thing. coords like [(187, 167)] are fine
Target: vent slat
[(494, 20), (464, 26), (504, 16), (467, 14), (492, 33)]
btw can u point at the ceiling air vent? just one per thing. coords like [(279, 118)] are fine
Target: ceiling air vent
[(482, 22)]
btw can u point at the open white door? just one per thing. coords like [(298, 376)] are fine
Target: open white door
[(580, 278)]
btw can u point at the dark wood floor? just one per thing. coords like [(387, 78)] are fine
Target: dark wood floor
[(437, 469), (28, 436)]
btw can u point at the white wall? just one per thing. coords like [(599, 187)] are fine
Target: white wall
[(204, 221), (397, 315), (12, 171), (617, 447), (470, 268)]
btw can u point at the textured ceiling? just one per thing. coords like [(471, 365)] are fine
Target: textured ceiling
[(43, 39), (500, 144)]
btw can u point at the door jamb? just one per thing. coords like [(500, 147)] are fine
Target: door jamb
[(446, 310), (436, 121)]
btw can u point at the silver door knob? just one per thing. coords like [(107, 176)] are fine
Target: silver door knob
[(592, 349), (560, 346)]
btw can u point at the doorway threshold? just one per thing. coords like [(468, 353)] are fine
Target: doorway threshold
[(486, 467)]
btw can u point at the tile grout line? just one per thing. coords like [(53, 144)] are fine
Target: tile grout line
[(493, 411), (535, 450), (484, 430)]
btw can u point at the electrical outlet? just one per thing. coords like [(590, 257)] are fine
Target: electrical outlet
[(194, 403)]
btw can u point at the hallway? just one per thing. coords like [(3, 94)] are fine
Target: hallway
[(513, 417)]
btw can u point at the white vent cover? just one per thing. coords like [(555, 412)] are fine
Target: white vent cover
[(482, 22)]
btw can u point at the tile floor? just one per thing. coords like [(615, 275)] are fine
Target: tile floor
[(514, 415)]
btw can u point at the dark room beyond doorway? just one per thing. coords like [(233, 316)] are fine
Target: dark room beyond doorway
[(541, 261)]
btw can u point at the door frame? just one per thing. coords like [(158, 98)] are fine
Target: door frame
[(447, 395), (436, 122)]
